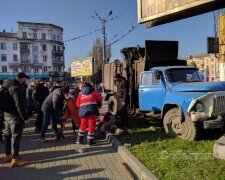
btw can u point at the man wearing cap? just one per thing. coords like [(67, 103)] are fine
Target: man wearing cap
[(15, 119)]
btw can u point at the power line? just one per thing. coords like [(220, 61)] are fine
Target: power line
[(122, 30), (92, 32), (124, 35), (103, 22)]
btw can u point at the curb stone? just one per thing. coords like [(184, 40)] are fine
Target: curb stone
[(219, 148), (138, 170)]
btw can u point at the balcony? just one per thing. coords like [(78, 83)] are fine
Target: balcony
[(25, 51), (53, 74), (14, 64), (36, 63), (57, 53), (25, 61), (58, 62)]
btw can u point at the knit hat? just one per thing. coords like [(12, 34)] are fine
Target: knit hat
[(22, 75)]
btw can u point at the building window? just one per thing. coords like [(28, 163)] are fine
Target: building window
[(35, 48), (44, 47), (4, 68), (36, 69), (15, 57), (25, 59), (54, 37), (14, 46), (54, 47), (3, 46), (25, 69), (25, 35), (44, 58), (24, 46), (58, 48), (15, 69), (35, 58), (43, 36), (58, 38), (45, 69), (34, 35), (3, 57)]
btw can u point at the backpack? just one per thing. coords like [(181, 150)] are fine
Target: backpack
[(5, 100)]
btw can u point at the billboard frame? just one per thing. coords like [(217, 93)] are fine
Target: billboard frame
[(82, 72), (182, 12)]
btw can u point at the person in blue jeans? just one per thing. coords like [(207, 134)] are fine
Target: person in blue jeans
[(52, 109)]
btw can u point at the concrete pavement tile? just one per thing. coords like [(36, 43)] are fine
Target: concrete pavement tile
[(56, 161)]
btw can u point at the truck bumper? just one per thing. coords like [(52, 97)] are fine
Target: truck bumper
[(213, 124)]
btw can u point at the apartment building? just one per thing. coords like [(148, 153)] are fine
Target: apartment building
[(36, 49), (208, 64)]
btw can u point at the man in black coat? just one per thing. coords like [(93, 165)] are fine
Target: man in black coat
[(15, 119), (39, 95), (1, 118), (122, 99)]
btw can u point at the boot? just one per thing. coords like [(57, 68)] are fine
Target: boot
[(80, 139), (8, 158), (91, 142), (18, 162), (1, 140)]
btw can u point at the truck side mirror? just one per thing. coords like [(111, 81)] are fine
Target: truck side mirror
[(157, 75)]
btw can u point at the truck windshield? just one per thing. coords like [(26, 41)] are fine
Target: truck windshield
[(183, 75)]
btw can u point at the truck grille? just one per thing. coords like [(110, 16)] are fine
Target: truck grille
[(219, 104)]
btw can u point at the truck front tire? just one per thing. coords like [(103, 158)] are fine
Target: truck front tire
[(173, 126)]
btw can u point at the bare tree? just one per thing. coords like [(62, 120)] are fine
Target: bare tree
[(97, 54)]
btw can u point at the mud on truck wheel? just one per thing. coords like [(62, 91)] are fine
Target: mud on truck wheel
[(173, 126), (113, 105)]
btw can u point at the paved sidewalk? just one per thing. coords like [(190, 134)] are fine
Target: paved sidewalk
[(59, 160)]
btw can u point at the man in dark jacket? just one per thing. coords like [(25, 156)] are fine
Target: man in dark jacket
[(39, 95), (15, 119), (52, 108), (122, 98), (1, 118)]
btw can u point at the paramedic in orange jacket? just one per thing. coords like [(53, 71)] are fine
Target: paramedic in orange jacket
[(88, 101), (71, 110)]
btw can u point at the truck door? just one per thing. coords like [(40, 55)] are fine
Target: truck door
[(151, 92)]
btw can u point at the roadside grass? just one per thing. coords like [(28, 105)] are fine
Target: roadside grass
[(173, 158)]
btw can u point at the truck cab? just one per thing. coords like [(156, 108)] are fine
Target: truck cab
[(183, 100)]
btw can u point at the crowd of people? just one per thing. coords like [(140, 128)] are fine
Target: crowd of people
[(53, 105)]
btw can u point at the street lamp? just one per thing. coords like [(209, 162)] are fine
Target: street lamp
[(103, 22)]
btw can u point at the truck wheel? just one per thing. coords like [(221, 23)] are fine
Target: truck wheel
[(113, 105), (174, 127)]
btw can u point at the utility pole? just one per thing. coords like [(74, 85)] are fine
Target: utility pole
[(103, 21), (221, 29)]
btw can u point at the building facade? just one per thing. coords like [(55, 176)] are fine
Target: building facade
[(208, 64), (36, 49)]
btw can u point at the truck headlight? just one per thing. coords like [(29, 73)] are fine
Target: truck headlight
[(199, 107)]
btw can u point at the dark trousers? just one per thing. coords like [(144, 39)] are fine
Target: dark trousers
[(13, 133), (123, 114), (39, 118), (1, 126), (49, 117)]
